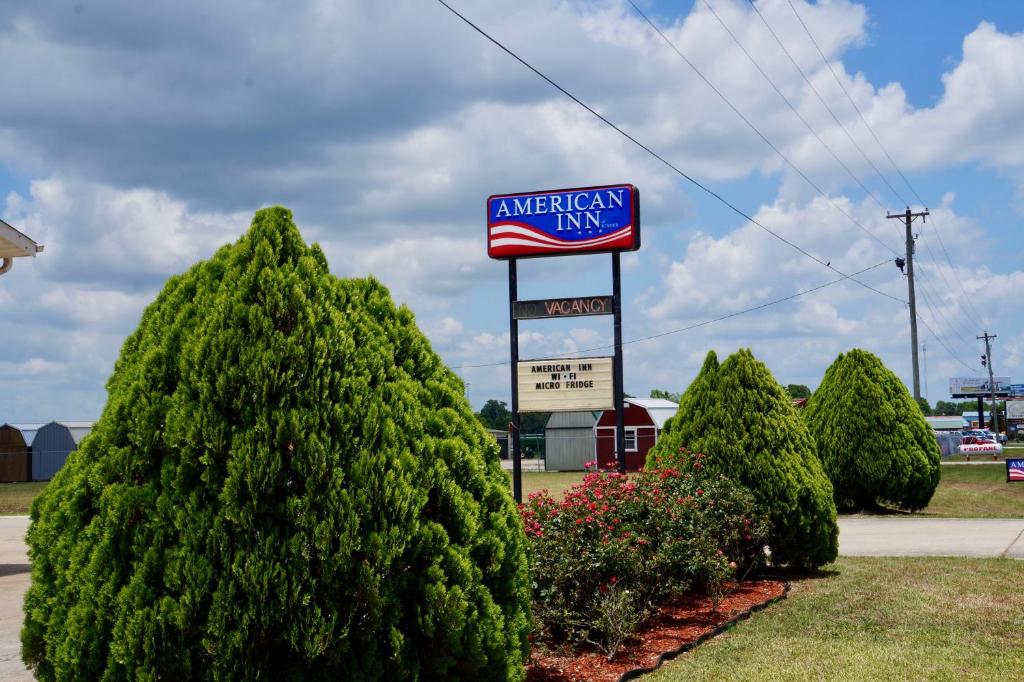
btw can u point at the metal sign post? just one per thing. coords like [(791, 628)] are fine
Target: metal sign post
[(620, 416), (517, 464)]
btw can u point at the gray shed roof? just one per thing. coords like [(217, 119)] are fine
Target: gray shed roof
[(572, 420), (661, 410), (78, 430), (27, 429)]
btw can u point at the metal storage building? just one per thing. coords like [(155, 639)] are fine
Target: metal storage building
[(569, 440), (16, 451), (52, 445)]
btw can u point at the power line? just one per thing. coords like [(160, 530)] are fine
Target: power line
[(943, 344), (961, 329), (750, 124), (696, 325), (855, 107), (881, 146), (975, 317), (954, 331), (663, 160)]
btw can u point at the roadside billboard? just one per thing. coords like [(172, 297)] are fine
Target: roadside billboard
[(971, 387)]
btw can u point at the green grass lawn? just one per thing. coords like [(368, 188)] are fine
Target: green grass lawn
[(965, 491), (877, 619), (555, 482), (979, 491), (976, 491), (15, 498)]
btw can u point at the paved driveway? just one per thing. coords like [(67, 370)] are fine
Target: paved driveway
[(858, 536), (896, 536), (13, 583)]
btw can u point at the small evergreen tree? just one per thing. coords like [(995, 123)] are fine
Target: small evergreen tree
[(798, 391), (872, 438), (741, 419), (285, 483)]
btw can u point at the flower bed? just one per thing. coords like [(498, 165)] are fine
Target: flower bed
[(683, 623), (616, 549)]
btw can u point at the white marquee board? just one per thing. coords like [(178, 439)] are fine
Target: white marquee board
[(570, 385)]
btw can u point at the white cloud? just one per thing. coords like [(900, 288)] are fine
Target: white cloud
[(157, 131)]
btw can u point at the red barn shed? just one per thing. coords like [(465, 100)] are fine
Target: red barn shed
[(644, 418)]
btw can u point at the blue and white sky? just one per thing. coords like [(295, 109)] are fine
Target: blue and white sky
[(135, 138)]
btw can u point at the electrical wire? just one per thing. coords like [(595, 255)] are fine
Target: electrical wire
[(687, 328), (708, 191), (857, 109), (792, 108), (954, 332), (960, 328), (976, 317), (663, 160), (943, 344), (821, 99)]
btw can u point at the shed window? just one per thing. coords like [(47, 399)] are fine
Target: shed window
[(630, 439)]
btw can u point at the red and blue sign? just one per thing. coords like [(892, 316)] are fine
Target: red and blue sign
[(563, 222), (1015, 470)]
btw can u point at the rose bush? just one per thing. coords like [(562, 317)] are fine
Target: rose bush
[(647, 537)]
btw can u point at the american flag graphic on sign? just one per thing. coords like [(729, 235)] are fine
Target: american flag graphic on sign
[(1015, 470)]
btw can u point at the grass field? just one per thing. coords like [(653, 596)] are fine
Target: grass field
[(976, 491), (979, 491), (15, 498), (877, 619)]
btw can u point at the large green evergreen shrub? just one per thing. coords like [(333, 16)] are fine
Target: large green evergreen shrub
[(742, 420), (285, 483), (872, 437)]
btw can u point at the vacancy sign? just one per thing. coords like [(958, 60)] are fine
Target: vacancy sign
[(566, 385), (563, 222)]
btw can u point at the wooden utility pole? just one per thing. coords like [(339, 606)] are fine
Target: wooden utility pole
[(991, 381), (908, 218)]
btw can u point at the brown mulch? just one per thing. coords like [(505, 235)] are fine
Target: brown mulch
[(677, 624)]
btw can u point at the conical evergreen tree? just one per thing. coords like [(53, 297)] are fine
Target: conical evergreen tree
[(741, 419), (872, 437), (285, 483)]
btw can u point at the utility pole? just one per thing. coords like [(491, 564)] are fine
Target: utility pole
[(924, 352), (991, 380), (908, 218)]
